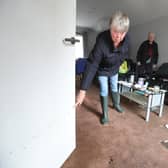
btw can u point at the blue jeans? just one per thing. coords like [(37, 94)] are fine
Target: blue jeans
[(103, 81)]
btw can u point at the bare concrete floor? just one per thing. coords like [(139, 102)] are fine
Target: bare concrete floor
[(126, 142)]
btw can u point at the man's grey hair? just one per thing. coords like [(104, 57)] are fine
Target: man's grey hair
[(120, 21)]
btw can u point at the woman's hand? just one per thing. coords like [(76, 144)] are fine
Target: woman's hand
[(80, 98)]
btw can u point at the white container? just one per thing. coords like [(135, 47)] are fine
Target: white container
[(156, 88), (141, 81), (132, 78)]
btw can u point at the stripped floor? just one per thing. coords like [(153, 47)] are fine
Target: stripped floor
[(126, 142)]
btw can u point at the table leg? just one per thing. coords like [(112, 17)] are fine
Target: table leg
[(148, 108), (161, 104), (119, 88)]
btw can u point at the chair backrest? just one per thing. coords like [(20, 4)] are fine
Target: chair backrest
[(80, 65), (163, 71)]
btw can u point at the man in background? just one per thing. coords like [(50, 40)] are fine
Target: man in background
[(147, 56)]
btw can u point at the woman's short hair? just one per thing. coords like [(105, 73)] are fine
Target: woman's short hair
[(120, 21)]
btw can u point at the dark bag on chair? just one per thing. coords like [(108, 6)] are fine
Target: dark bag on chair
[(163, 71)]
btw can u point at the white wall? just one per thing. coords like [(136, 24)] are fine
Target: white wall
[(89, 38), (84, 32), (92, 34), (139, 33), (37, 83)]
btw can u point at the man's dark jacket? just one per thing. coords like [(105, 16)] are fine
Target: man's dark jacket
[(142, 54)]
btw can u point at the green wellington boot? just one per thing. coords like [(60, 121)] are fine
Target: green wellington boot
[(104, 104), (116, 101)]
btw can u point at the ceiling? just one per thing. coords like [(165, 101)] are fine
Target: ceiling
[(96, 13)]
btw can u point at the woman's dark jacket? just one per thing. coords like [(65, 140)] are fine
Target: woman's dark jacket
[(104, 58)]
